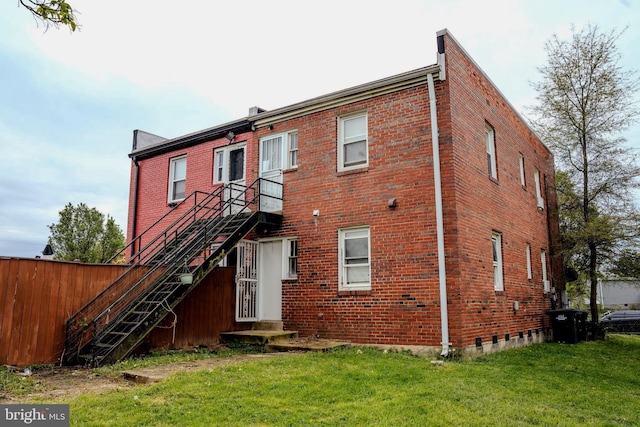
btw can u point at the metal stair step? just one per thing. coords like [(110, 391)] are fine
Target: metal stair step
[(142, 313)]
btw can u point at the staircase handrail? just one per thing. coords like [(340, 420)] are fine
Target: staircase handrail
[(138, 238), (82, 324)]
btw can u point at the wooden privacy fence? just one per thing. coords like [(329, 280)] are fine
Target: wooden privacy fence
[(36, 299), (38, 296)]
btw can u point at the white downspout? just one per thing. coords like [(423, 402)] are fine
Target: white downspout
[(442, 273)]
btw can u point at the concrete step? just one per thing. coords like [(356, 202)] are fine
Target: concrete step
[(306, 344), (259, 337), (268, 325)]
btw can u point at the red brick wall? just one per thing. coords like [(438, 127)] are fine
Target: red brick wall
[(403, 305), (154, 180), (483, 205)]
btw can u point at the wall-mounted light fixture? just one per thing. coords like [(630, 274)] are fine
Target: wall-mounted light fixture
[(392, 203), (230, 136)]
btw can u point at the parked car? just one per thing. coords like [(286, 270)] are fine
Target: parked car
[(625, 321)]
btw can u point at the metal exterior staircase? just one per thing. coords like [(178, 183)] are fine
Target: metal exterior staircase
[(112, 324)]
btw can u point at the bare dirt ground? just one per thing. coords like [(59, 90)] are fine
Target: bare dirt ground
[(61, 384)]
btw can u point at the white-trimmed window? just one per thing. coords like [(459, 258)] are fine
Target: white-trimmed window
[(354, 259), (496, 243), (276, 149), (491, 150), (536, 177), (528, 253), (229, 164), (219, 165), (352, 142), (523, 180), (545, 280), (290, 265), (292, 157), (177, 179)]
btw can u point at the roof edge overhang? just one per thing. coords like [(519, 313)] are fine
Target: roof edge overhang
[(383, 86), (237, 126), (356, 93)]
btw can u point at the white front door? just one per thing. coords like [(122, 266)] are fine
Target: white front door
[(270, 280), (271, 165)]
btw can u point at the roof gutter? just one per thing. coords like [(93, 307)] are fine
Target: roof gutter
[(442, 272), (347, 96)]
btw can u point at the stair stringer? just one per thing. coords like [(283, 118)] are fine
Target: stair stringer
[(128, 343)]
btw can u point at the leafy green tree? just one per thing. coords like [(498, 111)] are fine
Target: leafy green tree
[(52, 12), (627, 264), (585, 101), (82, 234)]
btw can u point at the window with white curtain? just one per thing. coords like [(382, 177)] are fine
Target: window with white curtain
[(271, 155), (278, 152)]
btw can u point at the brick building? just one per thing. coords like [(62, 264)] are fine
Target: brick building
[(417, 210)]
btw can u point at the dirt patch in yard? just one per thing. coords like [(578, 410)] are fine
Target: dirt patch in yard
[(64, 383), (60, 384)]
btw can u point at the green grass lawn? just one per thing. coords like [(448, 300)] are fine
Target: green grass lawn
[(585, 384)]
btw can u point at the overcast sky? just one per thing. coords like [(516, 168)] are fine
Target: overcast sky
[(69, 102)]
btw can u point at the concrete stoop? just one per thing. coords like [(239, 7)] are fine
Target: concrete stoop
[(306, 344), (272, 338), (258, 337), (268, 325)]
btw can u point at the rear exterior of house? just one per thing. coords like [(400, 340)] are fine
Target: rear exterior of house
[(377, 244)]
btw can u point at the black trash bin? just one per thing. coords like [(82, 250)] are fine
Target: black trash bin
[(569, 326)]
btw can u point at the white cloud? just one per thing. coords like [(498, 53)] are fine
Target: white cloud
[(71, 100)]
